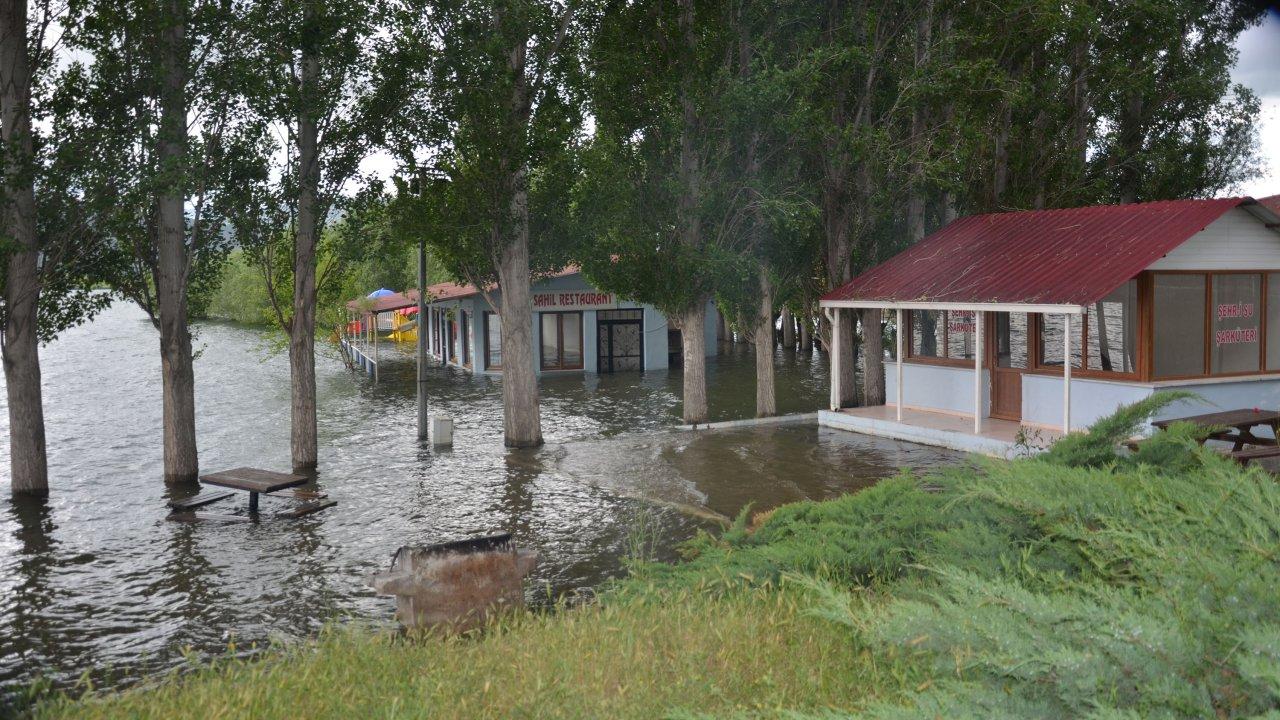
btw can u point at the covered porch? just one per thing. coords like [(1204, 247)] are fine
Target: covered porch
[(993, 436), (989, 421)]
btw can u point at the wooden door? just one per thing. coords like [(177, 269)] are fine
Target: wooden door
[(1008, 357)]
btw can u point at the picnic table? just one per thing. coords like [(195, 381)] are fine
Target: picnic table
[(255, 481), (1236, 427)]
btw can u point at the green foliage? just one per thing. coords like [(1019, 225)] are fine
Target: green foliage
[(241, 295), (1096, 448)]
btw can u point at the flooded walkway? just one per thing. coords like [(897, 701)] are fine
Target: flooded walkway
[(96, 580)]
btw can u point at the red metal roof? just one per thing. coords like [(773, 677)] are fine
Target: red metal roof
[(394, 301), (1048, 257), (438, 292), (1272, 203)]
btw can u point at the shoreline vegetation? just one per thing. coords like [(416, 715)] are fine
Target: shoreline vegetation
[(1089, 581)]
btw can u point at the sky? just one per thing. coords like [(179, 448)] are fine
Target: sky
[(1259, 70)]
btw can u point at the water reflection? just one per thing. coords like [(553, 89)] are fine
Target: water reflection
[(96, 579)]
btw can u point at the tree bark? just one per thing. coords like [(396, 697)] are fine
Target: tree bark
[(872, 357), (766, 400), (693, 344), (303, 443), (1130, 134), (20, 341), (1000, 161), (806, 344), (788, 329), (838, 273), (173, 258), (522, 423)]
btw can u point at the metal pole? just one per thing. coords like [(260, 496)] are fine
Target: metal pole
[(901, 328), (834, 352), (977, 372), (422, 340), (1066, 375), (375, 348)]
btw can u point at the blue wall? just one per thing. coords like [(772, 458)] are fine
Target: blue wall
[(655, 326)]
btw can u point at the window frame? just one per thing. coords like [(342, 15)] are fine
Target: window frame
[(910, 354), (1206, 371), (560, 366), (1081, 327)]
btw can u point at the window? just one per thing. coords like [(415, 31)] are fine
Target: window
[(928, 333), (492, 341), (962, 326), (943, 334), (1050, 338), (1273, 321), (1011, 340), (1235, 345), (561, 340), (1179, 315), (466, 339), (1111, 331)]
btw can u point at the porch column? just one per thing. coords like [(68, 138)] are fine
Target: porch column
[(900, 329), (1066, 374), (834, 315), (977, 372)]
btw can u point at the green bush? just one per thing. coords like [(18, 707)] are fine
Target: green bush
[(1089, 582)]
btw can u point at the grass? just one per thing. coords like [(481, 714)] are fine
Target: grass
[(754, 650), (1088, 582)]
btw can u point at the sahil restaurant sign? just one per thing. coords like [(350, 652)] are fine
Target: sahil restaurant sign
[(583, 300)]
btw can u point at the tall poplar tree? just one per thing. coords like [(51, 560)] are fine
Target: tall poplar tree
[(50, 254), (331, 79), (162, 119), (503, 128)]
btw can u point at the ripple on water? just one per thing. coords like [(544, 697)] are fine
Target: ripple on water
[(96, 579)]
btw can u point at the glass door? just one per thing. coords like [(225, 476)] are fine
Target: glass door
[(1008, 358)]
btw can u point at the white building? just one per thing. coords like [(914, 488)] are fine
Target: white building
[(1179, 294), (576, 328)]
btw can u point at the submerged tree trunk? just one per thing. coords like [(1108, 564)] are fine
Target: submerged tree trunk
[(19, 343), (788, 329), (173, 259), (806, 344), (766, 400), (693, 344), (302, 326), (522, 423), (872, 357)]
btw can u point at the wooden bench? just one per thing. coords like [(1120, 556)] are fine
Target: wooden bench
[(1248, 455), (305, 509), (195, 501)]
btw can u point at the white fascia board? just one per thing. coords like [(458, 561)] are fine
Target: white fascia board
[(1048, 309)]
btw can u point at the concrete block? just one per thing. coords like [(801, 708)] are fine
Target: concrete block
[(441, 431)]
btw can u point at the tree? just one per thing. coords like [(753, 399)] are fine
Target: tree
[(503, 127), (661, 216), (332, 78), (50, 254), (163, 119)]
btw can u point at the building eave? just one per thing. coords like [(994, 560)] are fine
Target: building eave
[(1045, 308)]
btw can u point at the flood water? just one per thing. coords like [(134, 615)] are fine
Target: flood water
[(98, 581)]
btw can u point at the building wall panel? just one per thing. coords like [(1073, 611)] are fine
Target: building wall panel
[(1235, 241)]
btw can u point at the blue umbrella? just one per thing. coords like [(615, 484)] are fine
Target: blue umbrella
[(381, 292)]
